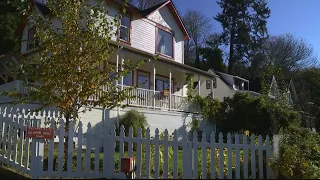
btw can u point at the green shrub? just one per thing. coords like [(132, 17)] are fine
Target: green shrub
[(299, 155), (135, 120)]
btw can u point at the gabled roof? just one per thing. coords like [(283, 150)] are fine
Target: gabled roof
[(174, 12)]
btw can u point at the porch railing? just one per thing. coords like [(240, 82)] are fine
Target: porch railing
[(141, 98)]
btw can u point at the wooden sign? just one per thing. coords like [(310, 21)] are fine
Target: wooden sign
[(40, 133)]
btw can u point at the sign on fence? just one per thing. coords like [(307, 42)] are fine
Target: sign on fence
[(40, 133)]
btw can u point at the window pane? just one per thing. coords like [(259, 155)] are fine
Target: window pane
[(125, 21), (166, 85), (159, 85), (124, 33), (143, 81), (165, 43), (127, 80)]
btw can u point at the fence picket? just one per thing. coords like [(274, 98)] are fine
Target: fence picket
[(9, 141), (51, 150), (156, 154), (147, 158), (21, 150), (237, 156), (204, 155), (4, 144), (88, 151), (2, 138), (260, 157), (213, 156), (130, 142), (61, 148), (253, 157), (97, 157), (195, 155), (121, 144), (165, 155), (79, 144), (111, 149), (175, 154), (27, 151), (229, 149), (138, 155), (221, 157), (15, 139), (70, 148), (245, 156)]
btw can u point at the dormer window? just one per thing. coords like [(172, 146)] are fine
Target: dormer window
[(164, 42), (124, 31), (33, 42)]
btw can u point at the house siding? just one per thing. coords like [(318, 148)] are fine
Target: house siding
[(143, 36)]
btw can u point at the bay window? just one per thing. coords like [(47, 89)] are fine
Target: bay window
[(124, 31), (164, 43)]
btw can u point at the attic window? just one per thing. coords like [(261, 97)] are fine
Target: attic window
[(164, 42), (33, 42), (124, 32)]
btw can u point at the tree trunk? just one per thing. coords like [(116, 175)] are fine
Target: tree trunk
[(231, 53)]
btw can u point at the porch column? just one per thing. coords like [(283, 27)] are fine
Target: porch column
[(170, 85), (122, 61), (117, 68), (199, 85), (212, 91), (154, 85)]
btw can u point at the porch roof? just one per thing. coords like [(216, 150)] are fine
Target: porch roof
[(166, 60)]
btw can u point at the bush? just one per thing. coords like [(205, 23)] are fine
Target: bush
[(259, 115), (299, 156), (135, 120)]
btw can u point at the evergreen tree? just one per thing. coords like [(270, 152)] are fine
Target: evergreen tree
[(244, 24)]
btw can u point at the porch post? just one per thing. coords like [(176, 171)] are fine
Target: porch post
[(122, 60), (170, 85), (154, 85), (117, 68), (199, 85), (212, 91)]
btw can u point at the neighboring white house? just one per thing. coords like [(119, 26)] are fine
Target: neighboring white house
[(225, 85), (147, 33)]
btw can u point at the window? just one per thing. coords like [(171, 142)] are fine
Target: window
[(143, 80), (208, 83), (163, 84), (164, 43), (124, 33), (32, 41), (127, 80)]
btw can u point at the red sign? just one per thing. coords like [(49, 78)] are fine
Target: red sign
[(40, 133)]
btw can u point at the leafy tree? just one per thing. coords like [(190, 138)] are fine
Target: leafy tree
[(244, 28), (197, 26), (289, 53), (9, 21), (73, 61)]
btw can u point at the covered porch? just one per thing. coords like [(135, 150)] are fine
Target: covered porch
[(159, 83)]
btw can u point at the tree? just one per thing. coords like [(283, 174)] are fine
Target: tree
[(9, 21), (244, 28), (73, 61), (289, 53), (211, 55), (197, 26)]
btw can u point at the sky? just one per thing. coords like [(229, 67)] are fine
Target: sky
[(298, 17)]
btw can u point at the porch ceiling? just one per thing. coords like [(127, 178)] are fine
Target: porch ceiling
[(160, 59)]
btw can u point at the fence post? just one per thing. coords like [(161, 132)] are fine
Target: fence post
[(37, 156), (275, 152)]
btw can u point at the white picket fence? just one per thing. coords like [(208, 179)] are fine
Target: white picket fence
[(163, 156)]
